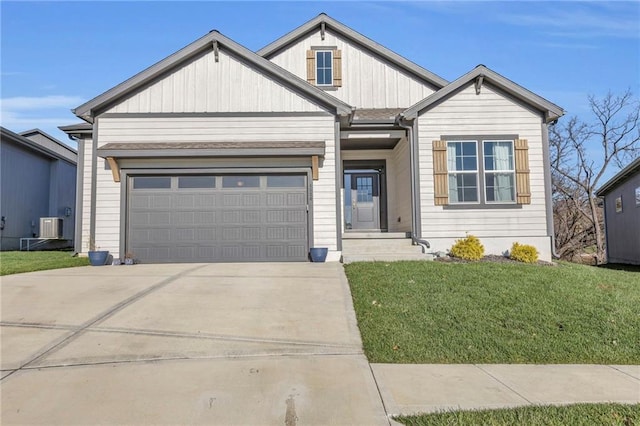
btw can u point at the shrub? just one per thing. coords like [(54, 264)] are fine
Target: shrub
[(468, 248), (523, 253)]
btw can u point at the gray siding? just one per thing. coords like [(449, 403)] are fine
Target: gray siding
[(33, 186), (623, 228)]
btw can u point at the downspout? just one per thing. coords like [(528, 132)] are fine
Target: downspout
[(547, 185), (415, 237)]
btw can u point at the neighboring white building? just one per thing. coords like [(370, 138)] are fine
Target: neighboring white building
[(38, 180), (218, 153)]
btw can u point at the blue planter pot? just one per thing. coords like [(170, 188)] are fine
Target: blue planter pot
[(98, 258), (318, 254)]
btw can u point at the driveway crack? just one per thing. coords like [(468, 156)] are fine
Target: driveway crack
[(65, 340)]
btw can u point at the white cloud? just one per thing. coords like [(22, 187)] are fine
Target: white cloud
[(581, 20), (28, 103), (22, 113)]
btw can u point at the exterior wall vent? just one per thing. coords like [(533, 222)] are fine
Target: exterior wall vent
[(50, 227)]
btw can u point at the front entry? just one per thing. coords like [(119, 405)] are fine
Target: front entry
[(365, 201), (364, 195)]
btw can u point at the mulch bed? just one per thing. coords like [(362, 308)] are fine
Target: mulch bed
[(489, 258)]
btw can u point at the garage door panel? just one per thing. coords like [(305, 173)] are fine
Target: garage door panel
[(246, 222), (296, 199), (160, 202)]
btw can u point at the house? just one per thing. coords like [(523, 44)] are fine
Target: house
[(622, 215), (323, 137), (38, 180)]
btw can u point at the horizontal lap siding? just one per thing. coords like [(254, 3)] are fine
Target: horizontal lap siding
[(367, 81), (216, 129), (204, 85), (488, 113)]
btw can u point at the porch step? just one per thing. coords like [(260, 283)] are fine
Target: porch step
[(375, 235), (384, 257), (387, 247)]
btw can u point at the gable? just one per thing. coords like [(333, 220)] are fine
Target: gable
[(216, 44), (206, 85), (368, 79)]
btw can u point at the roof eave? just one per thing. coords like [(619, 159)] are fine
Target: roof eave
[(619, 177), (551, 111), (87, 110)]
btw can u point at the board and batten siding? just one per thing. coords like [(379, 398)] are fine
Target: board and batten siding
[(489, 113), (216, 129), (367, 81), (204, 85)]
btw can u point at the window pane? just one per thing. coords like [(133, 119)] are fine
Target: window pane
[(469, 163), (323, 68), (155, 182), (196, 182), (469, 148), (498, 155), (241, 181), (500, 187), (463, 188), (285, 181), (462, 156)]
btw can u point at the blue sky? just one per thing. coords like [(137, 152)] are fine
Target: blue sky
[(57, 55)]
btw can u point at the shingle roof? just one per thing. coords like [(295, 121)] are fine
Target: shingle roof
[(377, 114), (213, 149)]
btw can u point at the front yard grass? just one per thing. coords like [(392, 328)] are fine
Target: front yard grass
[(575, 415), (16, 262), (436, 312)]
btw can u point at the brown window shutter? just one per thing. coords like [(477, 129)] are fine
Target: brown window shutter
[(311, 66), (440, 176), (337, 68), (523, 186)]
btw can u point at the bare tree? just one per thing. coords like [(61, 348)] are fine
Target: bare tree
[(581, 154)]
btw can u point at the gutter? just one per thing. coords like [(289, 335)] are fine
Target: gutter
[(415, 237)]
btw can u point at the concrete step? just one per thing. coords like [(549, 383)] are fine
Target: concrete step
[(350, 258), (374, 235), (382, 245)]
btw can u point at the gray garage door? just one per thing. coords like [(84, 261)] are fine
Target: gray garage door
[(217, 218)]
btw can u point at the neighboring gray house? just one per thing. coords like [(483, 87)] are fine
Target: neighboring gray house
[(622, 215), (38, 179), (323, 138)]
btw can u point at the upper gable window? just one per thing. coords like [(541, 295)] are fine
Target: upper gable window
[(324, 68)]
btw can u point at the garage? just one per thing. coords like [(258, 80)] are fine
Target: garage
[(217, 218)]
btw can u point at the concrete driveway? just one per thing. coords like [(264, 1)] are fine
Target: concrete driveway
[(184, 344)]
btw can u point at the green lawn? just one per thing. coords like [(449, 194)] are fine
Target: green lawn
[(574, 415), (435, 312), (15, 262)]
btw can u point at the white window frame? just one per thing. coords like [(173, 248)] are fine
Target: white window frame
[(511, 171), (475, 172), (481, 173), (330, 52)]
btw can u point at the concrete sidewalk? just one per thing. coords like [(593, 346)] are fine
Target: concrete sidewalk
[(426, 388)]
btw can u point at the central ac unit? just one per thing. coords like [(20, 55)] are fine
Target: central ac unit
[(50, 227)]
